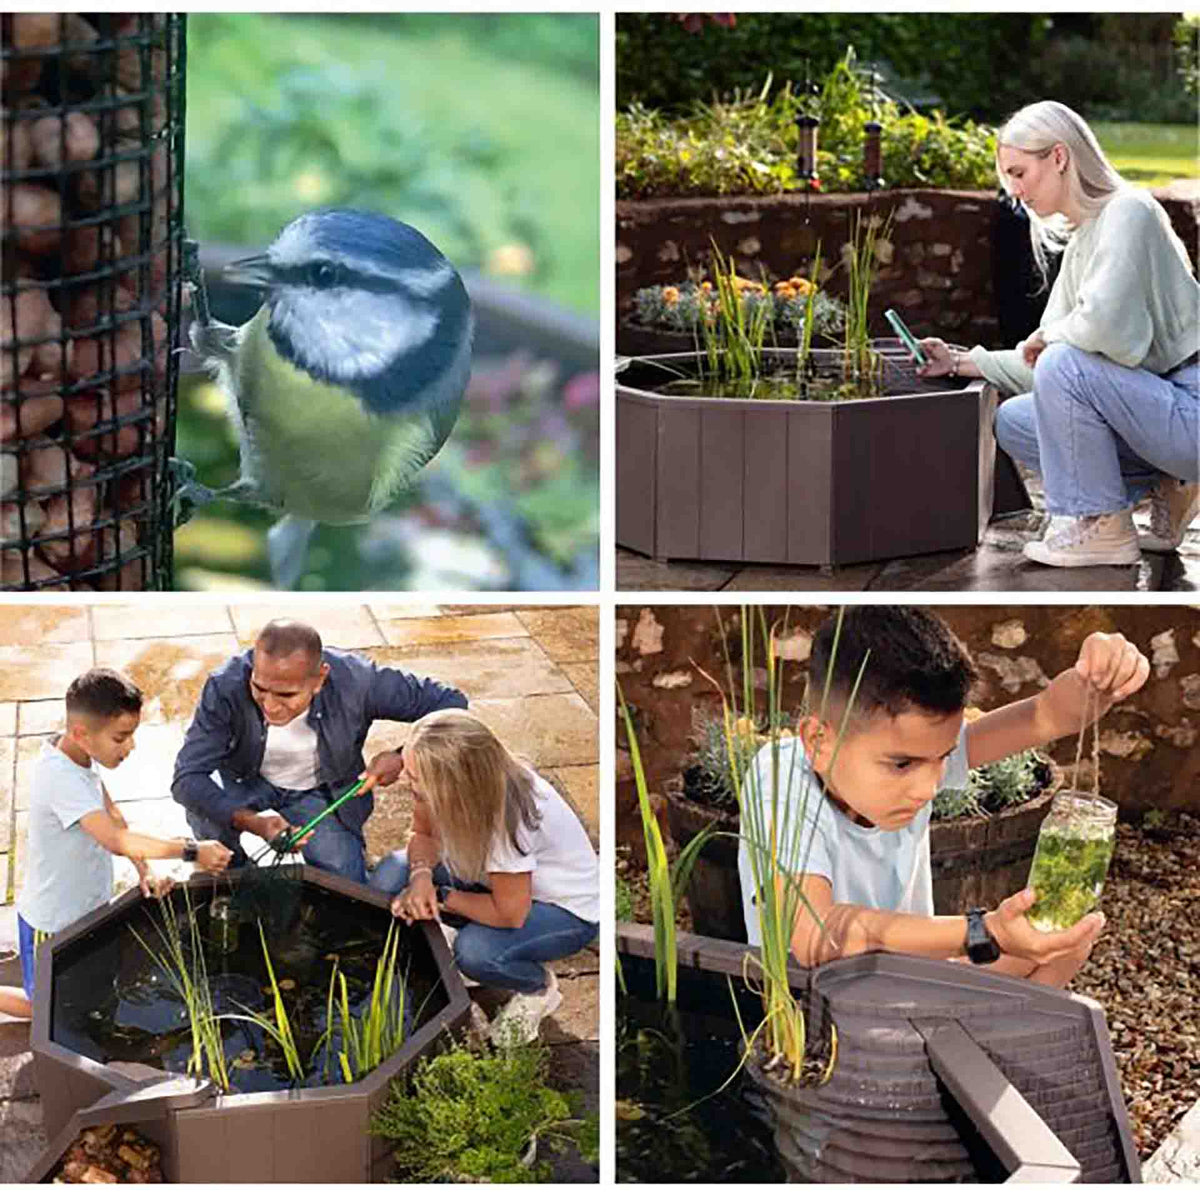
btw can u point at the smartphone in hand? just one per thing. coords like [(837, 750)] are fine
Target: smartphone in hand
[(905, 335)]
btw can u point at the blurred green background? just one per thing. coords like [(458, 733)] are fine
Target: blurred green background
[(482, 130)]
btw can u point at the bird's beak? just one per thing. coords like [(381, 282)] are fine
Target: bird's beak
[(254, 271)]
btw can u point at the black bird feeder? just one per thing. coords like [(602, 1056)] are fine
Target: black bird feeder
[(873, 144), (91, 210)]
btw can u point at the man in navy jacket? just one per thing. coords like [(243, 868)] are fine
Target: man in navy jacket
[(283, 726)]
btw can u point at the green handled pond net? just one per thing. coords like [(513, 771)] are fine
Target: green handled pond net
[(269, 889)]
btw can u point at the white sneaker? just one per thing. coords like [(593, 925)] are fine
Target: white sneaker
[(1173, 507), (1107, 540), (517, 1022)]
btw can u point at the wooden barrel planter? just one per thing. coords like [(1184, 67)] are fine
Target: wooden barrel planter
[(714, 890), (982, 860)]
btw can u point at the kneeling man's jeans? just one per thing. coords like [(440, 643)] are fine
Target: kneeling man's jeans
[(503, 958), (332, 846)]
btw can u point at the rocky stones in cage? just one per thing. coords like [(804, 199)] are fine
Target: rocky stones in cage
[(89, 210)]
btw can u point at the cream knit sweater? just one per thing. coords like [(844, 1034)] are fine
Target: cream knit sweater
[(1125, 290)]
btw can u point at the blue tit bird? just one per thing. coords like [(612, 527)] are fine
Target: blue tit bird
[(347, 380)]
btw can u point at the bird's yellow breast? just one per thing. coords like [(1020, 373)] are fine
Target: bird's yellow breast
[(318, 453)]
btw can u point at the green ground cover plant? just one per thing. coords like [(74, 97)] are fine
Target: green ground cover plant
[(466, 1117)]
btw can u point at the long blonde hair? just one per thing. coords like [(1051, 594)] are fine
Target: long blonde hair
[(475, 789), (1092, 180)]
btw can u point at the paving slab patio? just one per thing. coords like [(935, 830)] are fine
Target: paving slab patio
[(996, 565), (531, 674)]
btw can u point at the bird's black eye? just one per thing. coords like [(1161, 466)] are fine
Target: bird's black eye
[(323, 275)]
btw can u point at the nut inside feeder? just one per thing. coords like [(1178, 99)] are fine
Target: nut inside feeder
[(91, 160)]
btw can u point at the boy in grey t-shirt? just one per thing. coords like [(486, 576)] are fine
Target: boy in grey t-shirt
[(75, 828), (861, 854)]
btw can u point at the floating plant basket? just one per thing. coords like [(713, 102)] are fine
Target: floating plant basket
[(944, 1072), (265, 1130), (818, 482)]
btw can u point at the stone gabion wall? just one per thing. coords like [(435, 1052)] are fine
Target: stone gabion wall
[(936, 268), (1150, 745)]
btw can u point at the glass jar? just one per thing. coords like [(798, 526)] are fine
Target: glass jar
[(223, 925), (1074, 847)]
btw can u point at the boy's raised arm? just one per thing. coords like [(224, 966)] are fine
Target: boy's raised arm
[(1109, 667)]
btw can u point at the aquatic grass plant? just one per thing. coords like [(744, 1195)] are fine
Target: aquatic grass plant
[(667, 883), (280, 1029), (181, 960), (806, 332), (860, 362), (733, 331), (777, 828), (379, 1030)]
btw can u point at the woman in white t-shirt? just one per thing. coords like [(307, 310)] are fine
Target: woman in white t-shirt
[(1109, 385), (496, 852)]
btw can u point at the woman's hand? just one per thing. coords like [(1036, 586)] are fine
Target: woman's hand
[(940, 356), (1032, 346), (1013, 933), (418, 901)]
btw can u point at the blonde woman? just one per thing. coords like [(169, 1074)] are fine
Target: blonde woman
[(496, 852), (1109, 385)]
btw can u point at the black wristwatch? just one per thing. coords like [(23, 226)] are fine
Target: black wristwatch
[(442, 891), (981, 946), (190, 850)]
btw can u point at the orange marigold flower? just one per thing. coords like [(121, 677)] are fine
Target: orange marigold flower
[(706, 286), (670, 295)]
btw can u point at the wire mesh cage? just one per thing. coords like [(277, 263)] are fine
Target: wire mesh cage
[(91, 209)]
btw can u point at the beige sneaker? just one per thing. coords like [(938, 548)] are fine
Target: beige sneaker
[(1173, 507), (517, 1022), (1107, 540)]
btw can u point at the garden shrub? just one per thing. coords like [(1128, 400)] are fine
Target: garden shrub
[(976, 69), (465, 1117), (1097, 78), (747, 144)]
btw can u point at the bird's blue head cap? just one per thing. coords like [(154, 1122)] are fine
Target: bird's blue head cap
[(368, 303)]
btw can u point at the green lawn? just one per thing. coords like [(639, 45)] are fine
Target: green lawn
[(1151, 154), (504, 117)]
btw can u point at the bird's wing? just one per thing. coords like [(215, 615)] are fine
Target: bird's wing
[(410, 443)]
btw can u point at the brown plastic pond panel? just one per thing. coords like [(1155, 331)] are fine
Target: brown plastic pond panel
[(945, 1073), (811, 483), (304, 1135)]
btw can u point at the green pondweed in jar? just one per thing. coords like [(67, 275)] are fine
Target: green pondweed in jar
[(1074, 848)]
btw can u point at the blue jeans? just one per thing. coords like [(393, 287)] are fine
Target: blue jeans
[(503, 958), (1099, 434), (333, 846)]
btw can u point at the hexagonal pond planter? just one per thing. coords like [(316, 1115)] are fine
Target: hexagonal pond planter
[(822, 483), (943, 1072), (109, 1045)]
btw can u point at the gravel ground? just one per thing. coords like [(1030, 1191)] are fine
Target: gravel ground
[(1144, 970)]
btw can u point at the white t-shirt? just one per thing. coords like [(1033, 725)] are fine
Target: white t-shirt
[(291, 758), (877, 868), (67, 872), (565, 869)]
